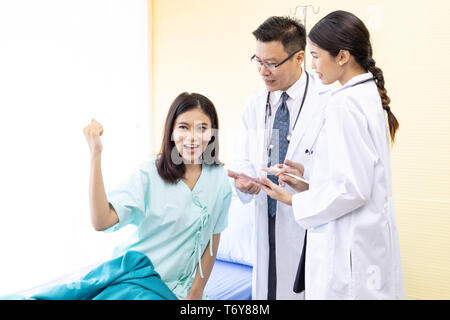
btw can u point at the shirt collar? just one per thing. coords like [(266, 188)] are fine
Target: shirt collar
[(295, 90)]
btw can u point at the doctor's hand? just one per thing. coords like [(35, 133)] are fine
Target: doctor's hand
[(276, 192), (92, 132), (294, 168), (245, 185)]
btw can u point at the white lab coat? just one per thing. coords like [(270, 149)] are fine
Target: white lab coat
[(249, 157), (352, 243)]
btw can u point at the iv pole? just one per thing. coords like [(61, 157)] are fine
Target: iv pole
[(303, 20)]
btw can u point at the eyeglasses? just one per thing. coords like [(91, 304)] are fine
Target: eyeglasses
[(271, 66)]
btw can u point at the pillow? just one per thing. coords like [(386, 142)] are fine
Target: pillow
[(236, 240)]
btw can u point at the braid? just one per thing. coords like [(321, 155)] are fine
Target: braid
[(385, 100)]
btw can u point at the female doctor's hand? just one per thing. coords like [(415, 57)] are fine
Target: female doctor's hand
[(92, 132), (276, 192), (294, 168)]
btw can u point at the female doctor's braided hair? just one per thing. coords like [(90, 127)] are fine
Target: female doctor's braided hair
[(342, 30), (369, 65)]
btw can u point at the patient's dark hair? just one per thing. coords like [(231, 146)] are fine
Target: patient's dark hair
[(169, 163), (342, 30), (289, 31)]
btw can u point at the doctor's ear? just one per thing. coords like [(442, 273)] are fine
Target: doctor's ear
[(299, 57), (343, 57)]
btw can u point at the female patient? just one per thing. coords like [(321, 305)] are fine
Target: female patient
[(179, 201)]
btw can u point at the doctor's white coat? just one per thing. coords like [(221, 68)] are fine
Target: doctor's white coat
[(249, 157), (352, 244)]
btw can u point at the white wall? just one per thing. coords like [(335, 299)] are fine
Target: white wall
[(63, 62)]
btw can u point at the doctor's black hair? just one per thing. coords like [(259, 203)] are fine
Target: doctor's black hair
[(289, 31), (168, 169), (342, 30)]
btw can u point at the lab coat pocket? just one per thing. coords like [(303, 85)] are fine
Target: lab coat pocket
[(351, 274), (319, 262), (388, 214), (343, 264)]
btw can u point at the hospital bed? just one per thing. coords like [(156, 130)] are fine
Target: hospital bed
[(231, 277)]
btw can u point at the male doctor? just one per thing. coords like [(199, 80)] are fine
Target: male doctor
[(280, 122)]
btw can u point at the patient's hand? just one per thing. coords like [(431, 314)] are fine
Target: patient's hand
[(92, 132), (193, 296)]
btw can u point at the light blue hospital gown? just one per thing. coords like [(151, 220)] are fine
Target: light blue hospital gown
[(174, 224)]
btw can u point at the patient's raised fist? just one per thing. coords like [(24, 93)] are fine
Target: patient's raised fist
[(92, 132)]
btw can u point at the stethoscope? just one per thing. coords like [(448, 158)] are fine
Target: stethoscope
[(310, 151), (361, 82), (268, 115)]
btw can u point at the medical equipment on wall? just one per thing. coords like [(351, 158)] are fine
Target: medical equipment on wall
[(304, 8)]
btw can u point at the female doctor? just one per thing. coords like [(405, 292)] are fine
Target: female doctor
[(352, 248)]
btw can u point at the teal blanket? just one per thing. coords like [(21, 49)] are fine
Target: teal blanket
[(129, 277)]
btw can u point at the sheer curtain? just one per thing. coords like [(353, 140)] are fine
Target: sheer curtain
[(62, 63)]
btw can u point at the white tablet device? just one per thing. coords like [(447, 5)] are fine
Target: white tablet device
[(274, 170)]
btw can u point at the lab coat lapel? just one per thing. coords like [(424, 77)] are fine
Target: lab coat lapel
[(309, 112), (260, 137)]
